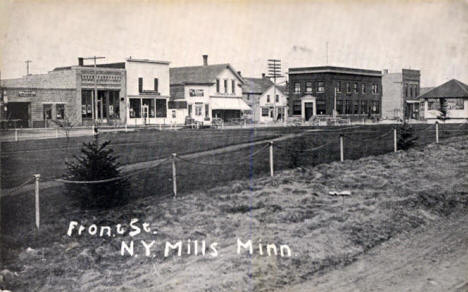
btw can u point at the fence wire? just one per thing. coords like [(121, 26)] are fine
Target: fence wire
[(368, 139), (16, 189)]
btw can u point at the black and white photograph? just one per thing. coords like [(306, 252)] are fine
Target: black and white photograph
[(234, 145)]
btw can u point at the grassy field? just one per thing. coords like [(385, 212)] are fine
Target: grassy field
[(391, 193)]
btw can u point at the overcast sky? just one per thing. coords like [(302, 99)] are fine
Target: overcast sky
[(428, 35)]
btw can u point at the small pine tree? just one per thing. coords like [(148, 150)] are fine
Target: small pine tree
[(406, 136), (97, 162)]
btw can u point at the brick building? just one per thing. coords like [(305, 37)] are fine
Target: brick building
[(399, 94), (312, 92)]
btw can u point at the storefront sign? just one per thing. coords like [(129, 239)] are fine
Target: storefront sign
[(26, 93), (196, 92)]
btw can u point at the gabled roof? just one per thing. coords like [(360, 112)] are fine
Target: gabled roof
[(256, 85), (199, 74), (449, 89)]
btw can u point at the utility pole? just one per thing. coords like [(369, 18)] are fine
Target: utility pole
[(274, 71), (334, 106), (94, 100), (27, 66)]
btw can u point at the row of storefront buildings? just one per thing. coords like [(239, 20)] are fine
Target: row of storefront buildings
[(144, 92)]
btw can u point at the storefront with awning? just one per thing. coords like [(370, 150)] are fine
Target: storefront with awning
[(228, 108)]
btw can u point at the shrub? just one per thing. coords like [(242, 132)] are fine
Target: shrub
[(97, 162), (406, 136)]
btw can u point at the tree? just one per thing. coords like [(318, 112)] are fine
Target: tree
[(97, 162), (406, 136)]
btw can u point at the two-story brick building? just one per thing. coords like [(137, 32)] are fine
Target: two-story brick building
[(313, 91)]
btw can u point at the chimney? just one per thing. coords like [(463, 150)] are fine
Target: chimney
[(263, 75), (239, 72), (80, 61), (385, 71), (205, 60)]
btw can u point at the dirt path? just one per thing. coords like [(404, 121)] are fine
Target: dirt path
[(432, 258)]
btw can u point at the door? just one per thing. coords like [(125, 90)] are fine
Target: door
[(309, 110), (144, 113)]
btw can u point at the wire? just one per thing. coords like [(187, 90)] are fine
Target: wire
[(16, 189), (223, 164)]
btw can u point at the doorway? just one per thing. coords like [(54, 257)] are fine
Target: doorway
[(309, 110), (145, 111)]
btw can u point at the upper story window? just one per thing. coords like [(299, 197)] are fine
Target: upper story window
[(297, 87), (355, 87), (308, 87), (217, 85), (140, 84), (363, 88), (268, 98), (225, 86), (338, 88), (320, 86), (348, 87), (156, 84), (277, 98), (375, 89), (233, 85)]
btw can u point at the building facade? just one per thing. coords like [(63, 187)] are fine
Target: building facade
[(313, 90), (210, 91), (399, 94)]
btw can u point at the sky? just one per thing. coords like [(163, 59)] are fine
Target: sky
[(431, 36)]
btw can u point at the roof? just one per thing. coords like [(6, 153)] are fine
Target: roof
[(118, 65), (228, 103), (148, 61), (199, 74), (333, 69), (256, 85), (449, 89), (423, 90)]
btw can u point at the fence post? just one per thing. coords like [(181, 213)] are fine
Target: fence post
[(160, 127), (272, 171), (395, 145), (56, 132), (341, 148), (16, 134), (38, 216), (126, 128), (437, 131), (174, 174)]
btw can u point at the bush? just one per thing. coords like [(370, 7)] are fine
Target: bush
[(406, 136), (97, 162)]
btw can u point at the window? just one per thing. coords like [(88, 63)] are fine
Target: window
[(406, 89), (60, 111), (140, 84), (374, 89), (135, 108), (355, 87), (297, 87), (161, 108), (375, 107), (47, 111), (174, 114), (348, 87), (156, 84), (321, 107), (320, 86), (207, 110), (189, 110), (308, 87), (277, 98), (349, 107), (433, 104), (411, 90), (196, 92), (455, 104), (198, 109), (114, 104), (149, 103), (217, 85), (363, 88), (356, 107), (364, 109), (225, 86), (339, 107), (297, 110), (268, 98), (233, 84), (86, 104), (265, 111), (338, 87)]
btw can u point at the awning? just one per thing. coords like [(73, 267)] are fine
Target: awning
[(228, 103)]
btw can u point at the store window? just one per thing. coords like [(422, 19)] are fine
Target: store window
[(114, 104), (339, 107), (348, 107), (161, 108), (321, 107), (297, 107), (135, 108), (198, 109), (455, 104), (364, 109), (86, 104), (47, 111), (356, 107), (60, 111), (265, 111)]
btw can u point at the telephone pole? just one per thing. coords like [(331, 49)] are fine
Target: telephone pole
[(274, 71), (27, 66), (95, 98)]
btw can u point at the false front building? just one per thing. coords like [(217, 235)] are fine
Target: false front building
[(314, 91), (210, 91)]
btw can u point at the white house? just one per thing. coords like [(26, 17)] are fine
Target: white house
[(209, 90), (273, 105), (450, 98)]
